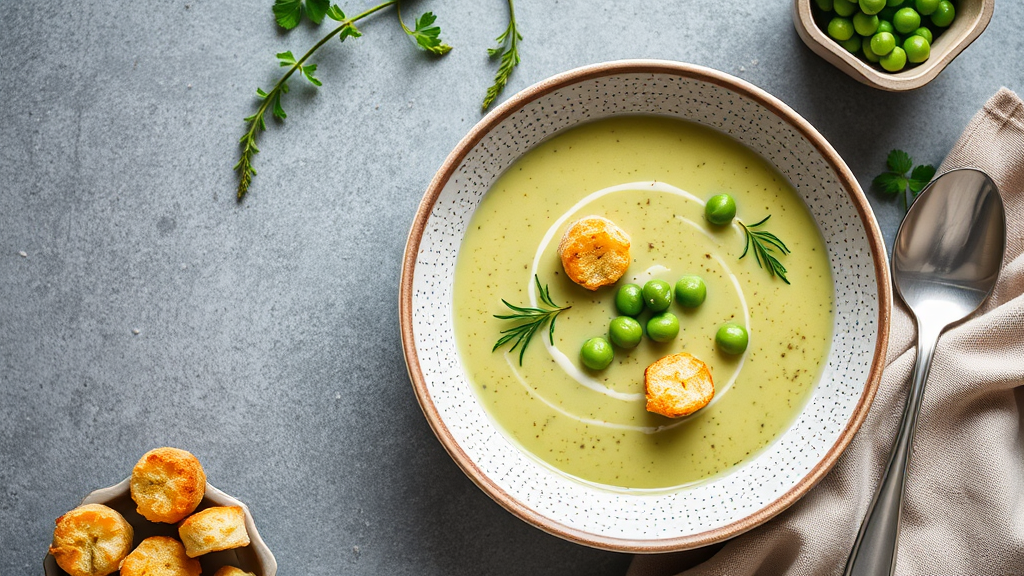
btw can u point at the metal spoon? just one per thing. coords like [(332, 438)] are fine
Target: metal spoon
[(945, 263)]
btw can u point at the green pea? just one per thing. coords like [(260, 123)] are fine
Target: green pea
[(882, 43), (924, 33), (885, 26), (871, 6), (732, 338), (721, 208), (906, 20), (663, 327), (625, 332), (865, 25), (917, 48), (596, 353), (852, 45), (944, 14), (657, 295), (691, 291), (841, 29), (844, 8), (825, 5), (926, 7), (865, 48), (894, 61), (629, 300)]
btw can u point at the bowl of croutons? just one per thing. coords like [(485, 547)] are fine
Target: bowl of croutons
[(644, 305), (163, 519)]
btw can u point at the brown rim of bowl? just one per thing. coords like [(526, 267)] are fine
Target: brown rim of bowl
[(703, 74)]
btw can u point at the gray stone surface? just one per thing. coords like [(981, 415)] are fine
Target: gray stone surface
[(268, 332)]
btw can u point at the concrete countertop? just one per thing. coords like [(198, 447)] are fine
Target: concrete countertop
[(141, 306)]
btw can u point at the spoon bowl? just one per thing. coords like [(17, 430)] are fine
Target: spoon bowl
[(945, 263)]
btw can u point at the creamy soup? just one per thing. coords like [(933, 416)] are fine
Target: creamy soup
[(650, 175)]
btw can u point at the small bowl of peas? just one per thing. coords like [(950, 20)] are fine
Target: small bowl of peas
[(893, 45)]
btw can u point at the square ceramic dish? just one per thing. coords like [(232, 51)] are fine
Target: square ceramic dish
[(971, 20), (255, 558), (721, 507)]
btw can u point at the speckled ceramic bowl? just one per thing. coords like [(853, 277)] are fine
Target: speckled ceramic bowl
[(255, 557), (753, 492)]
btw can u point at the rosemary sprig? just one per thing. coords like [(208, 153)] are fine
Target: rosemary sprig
[(508, 48), (765, 245), (534, 319), (288, 13)]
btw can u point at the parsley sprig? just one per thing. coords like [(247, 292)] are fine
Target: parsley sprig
[(765, 245), (508, 50), (533, 320), (896, 181), (288, 14)]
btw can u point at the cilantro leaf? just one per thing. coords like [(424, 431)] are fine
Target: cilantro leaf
[(899, 161), (335, 13), (427, 35), (308, 71), (349, 31), (287, 13), (890, 183), (286, 58), (920, 177), (316, 9)]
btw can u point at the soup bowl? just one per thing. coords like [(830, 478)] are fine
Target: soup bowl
[(686, 516)]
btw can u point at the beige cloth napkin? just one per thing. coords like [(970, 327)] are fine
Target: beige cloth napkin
[(963, 512)]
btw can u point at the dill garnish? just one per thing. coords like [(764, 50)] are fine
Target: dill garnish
[(765, 245), (534, 319)]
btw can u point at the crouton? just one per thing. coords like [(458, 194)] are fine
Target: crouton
[(232, 571), (678, 385), (159, 556), (594, 252), (167, 484), (91, 540), (214, 529)]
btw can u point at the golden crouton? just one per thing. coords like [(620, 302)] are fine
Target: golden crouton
[(594, 252), (214, 529), (678, 385), (160, 556), (91, 540), (232, 571), (167, 484)]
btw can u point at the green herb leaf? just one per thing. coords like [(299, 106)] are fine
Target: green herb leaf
[(349, 30), (765, 246), (286, 58), (899, 161), (287, 13), (427, 35), (508, 49), (532, 320), (889, 183), (335, 13), (308, 71), (316, 9), (920, 178)]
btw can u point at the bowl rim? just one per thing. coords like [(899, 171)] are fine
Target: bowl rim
[(514, 104)]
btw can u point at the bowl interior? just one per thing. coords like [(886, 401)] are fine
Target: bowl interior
[(720, 507), (255, 557)]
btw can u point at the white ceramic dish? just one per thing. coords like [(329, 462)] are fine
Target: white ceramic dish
[(750, 494), (255, 557)]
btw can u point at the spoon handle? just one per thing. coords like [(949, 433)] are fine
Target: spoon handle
[(874, 551)]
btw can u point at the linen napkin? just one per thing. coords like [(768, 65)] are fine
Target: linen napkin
[(963, 509)]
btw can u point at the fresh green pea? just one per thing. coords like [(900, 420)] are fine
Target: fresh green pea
[(906, 20), (732, 338), (865, 49), (924, 33), (657, 295), (625, 332), (885, 26), (871, 6), (944, 14), (629, 300), (596, 353), (691, 291), (852, 45), (894, 61), (926, 7), (841, 29), (844, 8), (917, 48), (720, 209), (865, 25), (825, 5), (663, 327), (882, 43)]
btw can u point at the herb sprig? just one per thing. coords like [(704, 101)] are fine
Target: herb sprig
[(288, 14), (765, 245), (896, 181), (508, 50), (533, 320)]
